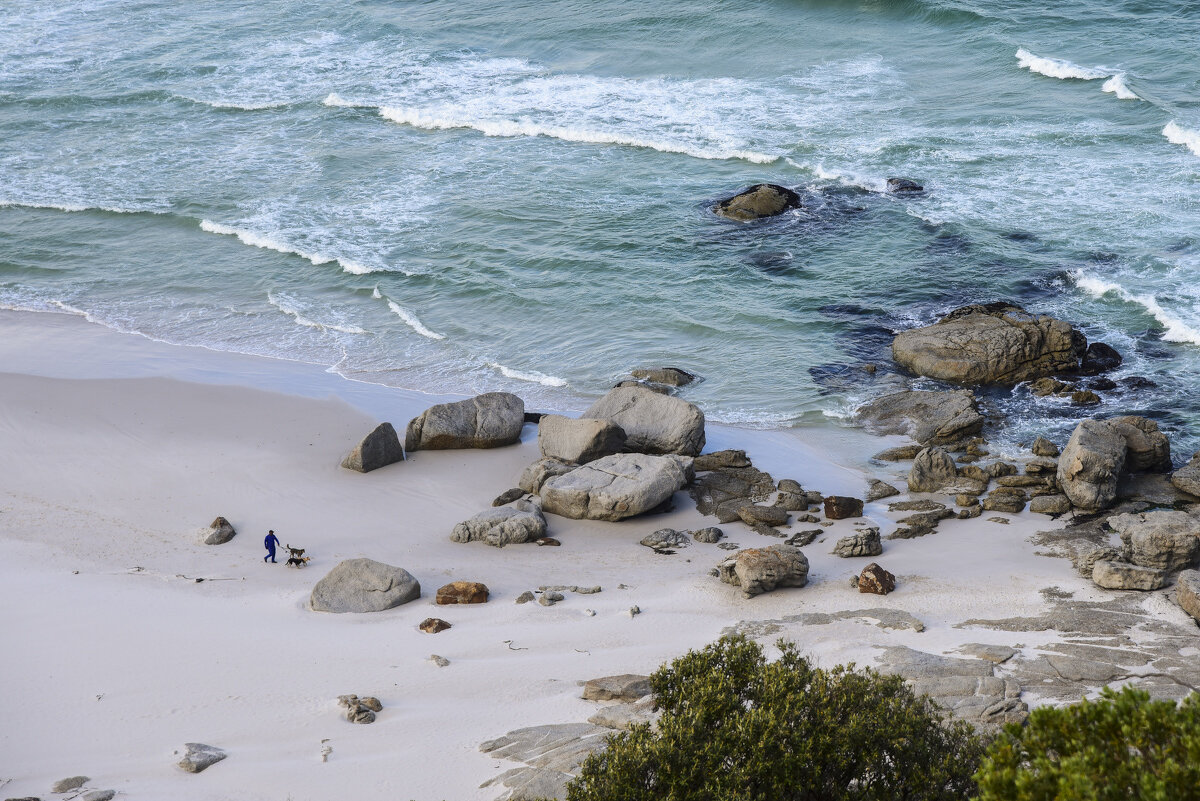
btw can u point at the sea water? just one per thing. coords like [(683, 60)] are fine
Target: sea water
[(471, 196)]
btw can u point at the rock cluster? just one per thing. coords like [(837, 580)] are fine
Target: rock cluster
[(360, 710), (1101, 451)]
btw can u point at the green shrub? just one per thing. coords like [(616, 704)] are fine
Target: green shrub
[(736, 727), (1123, 747)]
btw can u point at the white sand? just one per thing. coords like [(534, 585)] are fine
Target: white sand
[(115, 657)]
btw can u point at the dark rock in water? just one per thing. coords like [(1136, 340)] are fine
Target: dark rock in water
[(900, 186), (1138, 382), (379, 448), (1101, 384), (1084, 397), (760, 200), (533, 417), (1099, 358), (772, 261), (671, 376), (661, 389)]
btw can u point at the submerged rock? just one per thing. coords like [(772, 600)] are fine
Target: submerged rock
[(903, 186), (760, 200), (667, 376)]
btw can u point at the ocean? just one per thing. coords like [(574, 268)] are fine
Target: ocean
[(475, 196)]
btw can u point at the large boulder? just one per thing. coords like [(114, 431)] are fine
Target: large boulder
[(219, 532), (615, 487), (1099, 451), (1161, 539), (931, 418), (1187, 478), (502, 526), (932, 469), (485, 421), (760, 200), (1187, 592), (759, 570), (653, 423), (992, 343), (364, 585), (579, 440), (379, 448), (1124, 576)]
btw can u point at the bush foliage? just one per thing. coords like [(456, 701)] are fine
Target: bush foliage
[(1123, 747), (736, 727)]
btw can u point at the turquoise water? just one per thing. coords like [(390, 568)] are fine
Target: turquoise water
[(473, 196)]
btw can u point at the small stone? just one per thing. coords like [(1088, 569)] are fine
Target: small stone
[(526, 597), (347, 701), (1124, 576), (440, 661), (634, 611), (626, 687), (801, 538), (666, 539), (508, 496), (360, 714), (874, 579), (1003, 520), (462, 592), (590, 612), (707, 535), (547, 541), (587, 590), (864, 543), (69, 784), (433, 625), (840, 507), (753, 514), (199, 757), (550, 598), (728, 546), (963, 499), (969, 512)]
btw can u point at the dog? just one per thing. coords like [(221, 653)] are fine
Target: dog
[(296, 552), (298, 561)]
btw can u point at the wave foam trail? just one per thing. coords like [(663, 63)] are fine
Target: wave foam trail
[(532, 376), (1175, 329), (1178, 135), (1059, 68), (294, 309), (411, 320), (267, 242), (1117, 86)]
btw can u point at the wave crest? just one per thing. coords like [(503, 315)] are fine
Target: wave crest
[(532, 376), (296, 310), (411, 320), (1178, 135), (1058, 67), (1117, 86), (268, 242), (1175, 329)]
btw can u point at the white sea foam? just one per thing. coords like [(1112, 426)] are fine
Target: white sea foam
[(870, 184), (411, 320), (442, 119), (1059, 68), (1117, 86), (236, 106), (532, 375), (295, 309), (375, 293), (268, 242), (1178, 135), (75, 207), (1175, 328)]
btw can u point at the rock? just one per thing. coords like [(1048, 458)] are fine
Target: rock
[(69, 784), (526, 597), (550, 598), (1160, 539), (1084, 397), (540, 472), (615, 487), (759, 570), (622, 717), (579, 440), (1047, 386), (99, 795), (544, 541), (1041, 467), (874, 579), (1187, 592), (903, 186), (440, 661), (1187, 478), (931, 418), (502, 526), (878, 490), (657, 424), (969, 512), (1124, 576), (510, 495), (1099, 358), (760, 200), (1050, 504), (899, 454), (364, 585), (1003, 502), (966, 499), (197, 757), (462, 592), (1149, 450), (1100, 450), (994, 343), (840, 507), (752, 514), (922, 505), (707, 535), (360, 714), (719, 459), (219, 532), (626, 687), (485, 421), (932, 469), (792, 501), (666, 539), (1004, 521), (379, 448), (435, 625), (1102, 384), (668, 376), (1085, 554), (864, 543)]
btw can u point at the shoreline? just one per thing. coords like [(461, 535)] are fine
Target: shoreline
[(124, 657)]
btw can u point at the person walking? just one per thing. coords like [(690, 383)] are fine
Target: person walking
[(271, 542)]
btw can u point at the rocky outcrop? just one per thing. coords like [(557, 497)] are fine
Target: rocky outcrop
[(840, 507), (364, 585), (1099, 451), (485, 421), (1124, 576), (379, 448), (1187, 478), (626, 687), (1160, 539), (931, 418), (932, 469), (759, 570), (540, 472), (579, 440), (1187, 592), (198, 757), (653, 423), (760, 200), (462, 592), (502, 526), (615, 487), (993, 343), (219, 532), (864, 543)]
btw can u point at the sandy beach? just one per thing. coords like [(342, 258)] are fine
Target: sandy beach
[(128, 638)]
